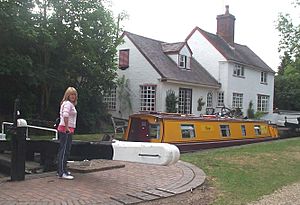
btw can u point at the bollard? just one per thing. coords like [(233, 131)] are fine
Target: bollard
[(18, 150)]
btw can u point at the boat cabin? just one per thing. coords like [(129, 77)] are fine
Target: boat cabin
[(177, 128)]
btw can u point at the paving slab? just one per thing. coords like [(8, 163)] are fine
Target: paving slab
[(117, 182)]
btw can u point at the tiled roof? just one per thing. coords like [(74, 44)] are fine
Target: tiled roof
[(172, 47), (166, 67), (238, 53)]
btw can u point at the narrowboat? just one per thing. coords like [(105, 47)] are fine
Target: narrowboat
[(190, 132)]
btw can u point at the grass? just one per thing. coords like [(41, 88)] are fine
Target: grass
[(245, 173)]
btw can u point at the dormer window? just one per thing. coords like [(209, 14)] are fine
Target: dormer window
[(123, 59), (182, 61), (238, 70), (263, 77)]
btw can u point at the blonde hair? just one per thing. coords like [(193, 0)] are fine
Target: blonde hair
[(69, 91)]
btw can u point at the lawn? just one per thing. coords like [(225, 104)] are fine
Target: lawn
[(245, 173)]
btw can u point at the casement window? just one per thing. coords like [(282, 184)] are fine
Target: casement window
[(225, 130), (182, 61), (263, 103), (238, 70), (110, 99), (147, 97), (263, 77), (185, 101), (123, 59), (237, 100), (220, 99), (187, 131), (209, 100)]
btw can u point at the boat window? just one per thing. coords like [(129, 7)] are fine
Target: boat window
[(154, 131), (225, 131), (257, 129), (187, 131), (243, 127)]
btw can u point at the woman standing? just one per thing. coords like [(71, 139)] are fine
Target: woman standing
[(67, 125)]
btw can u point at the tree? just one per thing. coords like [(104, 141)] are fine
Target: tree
[(171, 102), (250, 110), (287, 82), (57, 44)]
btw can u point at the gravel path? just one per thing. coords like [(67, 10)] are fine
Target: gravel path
[(288, 195)]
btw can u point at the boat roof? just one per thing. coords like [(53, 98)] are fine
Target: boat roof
[(189, 117)]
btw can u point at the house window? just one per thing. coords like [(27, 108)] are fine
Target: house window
[(187, 131), (147, 96), (185, 101), (237, 100), (110, 99), (225, 131), (220, 99), (263, 77), (209, 100), (257, 129), (243, 128), (123, 59), (238, 70), (182, 61), (263, 103)]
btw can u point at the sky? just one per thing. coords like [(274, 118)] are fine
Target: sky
[(172, 20)]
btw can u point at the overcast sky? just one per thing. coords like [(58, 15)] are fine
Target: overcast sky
[(172, 20)]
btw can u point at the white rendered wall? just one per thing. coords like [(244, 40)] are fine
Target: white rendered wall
[(250, 86), (207, 55), (140, 72), (197, 92), (210, 58), (184, 51)]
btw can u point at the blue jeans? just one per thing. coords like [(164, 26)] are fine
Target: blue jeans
[(65, 143)]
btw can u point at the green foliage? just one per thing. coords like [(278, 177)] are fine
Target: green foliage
[(200, 104), (246, 173), (287, 82), (287, 87), (55, 45), (171, 102), (250, 110), (258, 115)]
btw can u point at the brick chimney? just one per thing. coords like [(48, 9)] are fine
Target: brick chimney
[(225, 26)]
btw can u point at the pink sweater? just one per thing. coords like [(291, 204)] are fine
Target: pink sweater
[(67, 109)]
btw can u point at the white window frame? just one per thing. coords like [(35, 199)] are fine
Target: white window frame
[(147, 97), (185, 100), (220, 99), (263, 103), (209, 100), (237, 100), (110, 99), (263, 77), (238, 70), (182, 61)]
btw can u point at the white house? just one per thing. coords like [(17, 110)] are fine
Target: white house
[(154, 67), (208, 66), (243, 75)]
